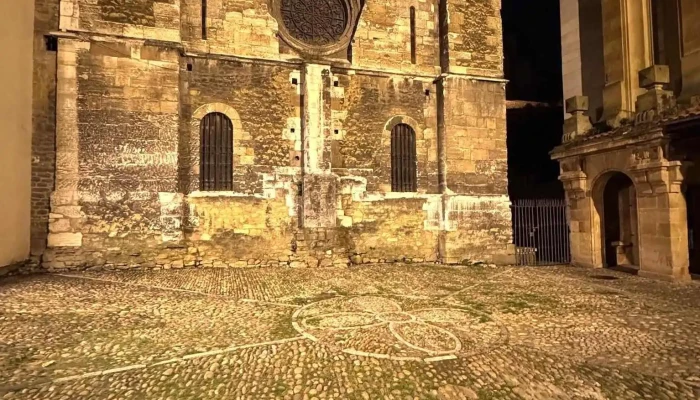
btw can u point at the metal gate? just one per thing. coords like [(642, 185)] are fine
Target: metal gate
[(541, 232)]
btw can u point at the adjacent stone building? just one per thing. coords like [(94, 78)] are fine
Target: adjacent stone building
[(275, 132), (630, 152), (15, 131)]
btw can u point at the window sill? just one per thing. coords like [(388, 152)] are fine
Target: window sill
[(203, 194)]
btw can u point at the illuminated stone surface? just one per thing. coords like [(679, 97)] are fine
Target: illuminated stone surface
[(380, 332)]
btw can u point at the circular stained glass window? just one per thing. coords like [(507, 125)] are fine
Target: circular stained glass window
[(315, 22)]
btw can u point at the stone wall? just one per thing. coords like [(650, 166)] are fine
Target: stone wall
[(264, 105), (142, 19), (46, 15), (233, 27), (474, 37), (15, 130), (367, 108), (475, 127), (311, 139), (128, 130), (383, 37)]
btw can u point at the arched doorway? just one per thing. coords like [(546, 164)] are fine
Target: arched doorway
[(618, 216), (692, 201)]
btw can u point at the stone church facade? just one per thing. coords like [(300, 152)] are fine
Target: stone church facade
[(214, 133), (630, 158)]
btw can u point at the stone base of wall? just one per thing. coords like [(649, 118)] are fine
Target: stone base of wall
[(308, 248), (13, 269)]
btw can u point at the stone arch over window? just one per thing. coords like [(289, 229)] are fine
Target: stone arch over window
[(241, 153), (400, 140)]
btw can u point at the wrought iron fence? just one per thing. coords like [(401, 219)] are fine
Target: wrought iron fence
[(541, 232)]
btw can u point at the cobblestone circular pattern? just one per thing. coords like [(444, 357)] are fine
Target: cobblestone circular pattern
[(396, 329)]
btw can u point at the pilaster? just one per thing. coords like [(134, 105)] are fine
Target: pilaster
[(690, 50), (662, 214), (627, 50), (579, 210), (65, 216), (319, 184)]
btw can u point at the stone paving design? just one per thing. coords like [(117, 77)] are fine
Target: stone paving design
[(380, 332), (380, 327)]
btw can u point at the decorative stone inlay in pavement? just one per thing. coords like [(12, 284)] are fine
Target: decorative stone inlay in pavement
[(397, 328)]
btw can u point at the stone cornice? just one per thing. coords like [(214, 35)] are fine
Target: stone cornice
[(605, 143)]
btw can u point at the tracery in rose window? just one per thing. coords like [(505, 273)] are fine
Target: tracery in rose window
[(315, 22)]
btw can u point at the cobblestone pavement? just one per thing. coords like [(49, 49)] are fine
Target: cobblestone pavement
[(381, 332)]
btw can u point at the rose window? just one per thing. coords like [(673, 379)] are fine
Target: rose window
[(315, 22)]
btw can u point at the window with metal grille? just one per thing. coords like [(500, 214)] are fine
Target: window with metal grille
[(216, 153), (403, 159)]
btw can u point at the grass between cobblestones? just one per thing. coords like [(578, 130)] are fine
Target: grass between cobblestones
[(381, 332)]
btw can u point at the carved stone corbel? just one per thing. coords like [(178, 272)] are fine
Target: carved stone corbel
[(573, 177), (579, 123), (656, 99), (653, 174)]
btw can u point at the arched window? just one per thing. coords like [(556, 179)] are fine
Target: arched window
[(403, 159), (216, 153)]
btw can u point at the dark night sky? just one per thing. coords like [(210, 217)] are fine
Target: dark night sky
[(532, 49), (533, 67)]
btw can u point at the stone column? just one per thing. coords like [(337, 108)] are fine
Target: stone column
[(65, 216), (663, 244), (319, 184), (579, 123), (627, 49), (570, 48), (690, 50), (579, 208)]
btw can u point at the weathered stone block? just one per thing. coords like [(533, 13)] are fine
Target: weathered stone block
[(577, 104), (656, 75), (66, 239)]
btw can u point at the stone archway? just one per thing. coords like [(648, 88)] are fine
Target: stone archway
[(692, 199), (615, 199), (691, 194)]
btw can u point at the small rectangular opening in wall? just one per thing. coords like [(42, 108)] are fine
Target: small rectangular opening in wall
[(204, 19), (189, 67), (295, 81), (413, 35), (51, 43)]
